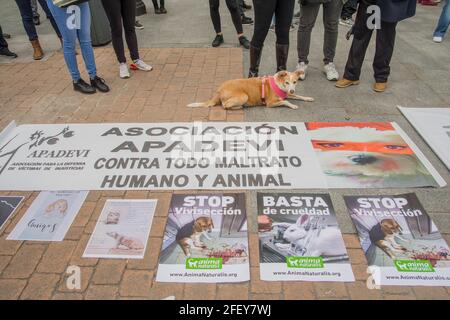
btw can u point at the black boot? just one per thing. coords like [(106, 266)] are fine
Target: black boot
[(99, 84), (5, 52), (218, 40), (282, 52), (83, 87), (255, 59), (243, 41)]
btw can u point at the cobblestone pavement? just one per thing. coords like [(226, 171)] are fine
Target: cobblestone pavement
[(40, 92)]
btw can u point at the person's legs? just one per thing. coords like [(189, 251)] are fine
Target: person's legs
[(235, 16), (444, 21), (36, 15), (361, 40), (129, 17), (69, 39), (264, 11), (284, 13), (383, 52), (3, 43), (27, 18), (44, 6), (114, 14), (349, 9), (331, 12), (308, 16), (215, 15), (84, 37)]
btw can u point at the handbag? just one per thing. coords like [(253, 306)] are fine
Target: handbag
[(66, 3)]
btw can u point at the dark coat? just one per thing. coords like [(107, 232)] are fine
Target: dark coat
[(397, 10)]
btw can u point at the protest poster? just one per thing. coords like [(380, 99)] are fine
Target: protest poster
[(205, 239), (122, 230), (209, 156), (300, 239), (49, 216), (401, 242), (433, 124), (370, 155), (8, 205)]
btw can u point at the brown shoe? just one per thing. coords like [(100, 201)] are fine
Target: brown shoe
[(38, 53), (344, 83), (379, 86)]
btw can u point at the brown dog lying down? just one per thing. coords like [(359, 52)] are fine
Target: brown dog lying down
[(268, 91)]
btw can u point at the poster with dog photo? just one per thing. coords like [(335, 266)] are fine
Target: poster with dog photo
[(122, 230), (300, 239), (370, 155), (49, 216), (8, 204), (205, 239), (401, 242)]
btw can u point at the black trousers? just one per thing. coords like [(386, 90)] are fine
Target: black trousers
[(234, 11), (349, 9), (155, 4), (3, 43), (264, 11), (385, 42), (122, 13)]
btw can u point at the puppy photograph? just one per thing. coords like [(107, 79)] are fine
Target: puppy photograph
[(370, 155), (263, 91)]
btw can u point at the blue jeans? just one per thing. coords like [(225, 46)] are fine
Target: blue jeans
[(27, 18), (64, 17), (444, 21)]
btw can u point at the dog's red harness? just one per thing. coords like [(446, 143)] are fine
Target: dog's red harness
[(275, 88)]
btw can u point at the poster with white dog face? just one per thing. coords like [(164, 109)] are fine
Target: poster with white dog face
[(122, 230), (49, 216), (370, 155), (300, 239), (401, 242), (433, 124), (205, 240)]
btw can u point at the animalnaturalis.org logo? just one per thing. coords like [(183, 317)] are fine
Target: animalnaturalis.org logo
[(204, 263), (305, 262), (413, 266)]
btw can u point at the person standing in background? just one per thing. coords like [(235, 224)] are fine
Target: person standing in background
[(443, 24), (392, 12), (159, 9), (309, 9), (264, 12), (4, 50), (70, 34), (122, 13), (347, 13), (235, 16), (27, 19)]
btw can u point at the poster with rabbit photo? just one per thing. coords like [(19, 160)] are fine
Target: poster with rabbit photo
[(300, 239), (402, 244), (205, 239), (122, 230), (49, 216)]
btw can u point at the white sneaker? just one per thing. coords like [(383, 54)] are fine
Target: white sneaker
[(141, 65), (331, 72), (302, 67), (346, 22), (437, 39), (123, 71)]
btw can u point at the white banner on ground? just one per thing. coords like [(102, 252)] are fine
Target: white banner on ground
[(49, 216), (122, 230), (205, 240), (401, 242), (217, 155), (433, 124), (300, 239)]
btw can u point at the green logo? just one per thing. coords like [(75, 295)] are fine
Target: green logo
[(413, 266), (204, 263), (304, 262)]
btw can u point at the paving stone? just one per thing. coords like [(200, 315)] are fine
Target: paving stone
[(199, 291), (24, 262), (11, 288), (162, 290), (331, 290), (358, 291), (109, 271), (4, 260), (136, 283), (86, 276), (299, 290), (67, 296), (95, 292), (235, 291), (259, 286), (40, 287), (56, 257)]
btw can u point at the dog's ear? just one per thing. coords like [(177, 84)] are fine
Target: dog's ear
[(282, 74), (299, 73), (197, 225)]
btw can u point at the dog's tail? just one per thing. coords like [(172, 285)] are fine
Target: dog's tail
[(214, 101)]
